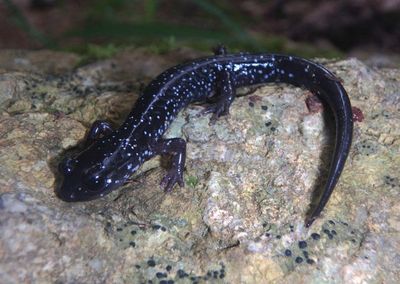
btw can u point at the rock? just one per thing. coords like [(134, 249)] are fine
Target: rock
[(249, 181), (39, 61)]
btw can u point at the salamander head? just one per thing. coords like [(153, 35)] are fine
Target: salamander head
[(95, 173)]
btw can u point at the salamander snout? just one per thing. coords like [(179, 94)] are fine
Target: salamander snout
[(83, 180)]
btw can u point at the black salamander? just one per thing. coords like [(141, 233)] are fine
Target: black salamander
[(112, 156)]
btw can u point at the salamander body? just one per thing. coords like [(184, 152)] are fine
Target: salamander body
[(112, 156)]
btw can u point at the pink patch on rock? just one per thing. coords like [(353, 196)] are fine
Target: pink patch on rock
[(314, 104), (357, 114), (255, 98)]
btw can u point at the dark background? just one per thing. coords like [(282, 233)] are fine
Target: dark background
[(329, 28)]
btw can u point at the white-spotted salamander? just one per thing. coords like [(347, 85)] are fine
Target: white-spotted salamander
[(112, 156)]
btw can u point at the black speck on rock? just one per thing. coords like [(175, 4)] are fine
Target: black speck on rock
[(333, 232), (328, 233), (310, 261), (251, 104), (305, 253), (315, 236), (299, 259), (160, 275), (264, 107), (331, 222), (151, 263), (302, 244), (132, 244), (168, 268), (133, 232), (288, 252), (181, 273), (278, 236)]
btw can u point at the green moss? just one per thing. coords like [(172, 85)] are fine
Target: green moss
[(192, 181), (164, 46), (93, 52), (101, 51)]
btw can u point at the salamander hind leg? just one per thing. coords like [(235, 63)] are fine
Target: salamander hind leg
[(177, 148), (220, 50), (225, 96)]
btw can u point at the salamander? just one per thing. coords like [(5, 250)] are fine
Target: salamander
[(112, 156)]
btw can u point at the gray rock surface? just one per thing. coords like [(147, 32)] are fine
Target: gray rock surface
[(249, 181)]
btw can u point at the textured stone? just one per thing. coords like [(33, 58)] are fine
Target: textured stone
[(249, 181)]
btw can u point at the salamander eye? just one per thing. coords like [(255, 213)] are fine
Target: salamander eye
[(67, 166)]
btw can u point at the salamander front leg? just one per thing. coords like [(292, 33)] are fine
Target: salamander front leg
[(100, 128), (177, 148), (225, 96)]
